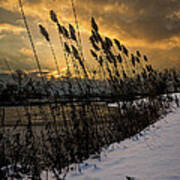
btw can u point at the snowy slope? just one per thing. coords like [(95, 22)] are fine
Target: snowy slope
[(155, 155)]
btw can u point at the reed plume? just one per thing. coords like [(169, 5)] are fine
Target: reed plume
[(46, 36)]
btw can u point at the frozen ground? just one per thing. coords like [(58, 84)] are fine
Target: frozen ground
[(154, 155)]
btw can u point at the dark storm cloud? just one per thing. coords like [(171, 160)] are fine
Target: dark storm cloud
[(156, 19), (143, 19)]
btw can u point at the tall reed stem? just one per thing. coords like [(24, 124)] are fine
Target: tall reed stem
[(31, 40)]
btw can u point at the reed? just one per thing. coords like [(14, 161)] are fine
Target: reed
[(30, 39), (46, 36), (77, 121)]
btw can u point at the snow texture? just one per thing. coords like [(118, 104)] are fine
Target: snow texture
[(154, 154)]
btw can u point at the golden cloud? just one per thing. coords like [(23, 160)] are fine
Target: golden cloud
[(11, 29), (148, 25), (26, 51)]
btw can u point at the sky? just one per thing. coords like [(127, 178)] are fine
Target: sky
[(151, 26)]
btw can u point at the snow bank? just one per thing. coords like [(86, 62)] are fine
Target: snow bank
[(152, 155)]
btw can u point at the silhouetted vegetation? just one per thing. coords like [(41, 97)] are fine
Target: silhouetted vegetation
[(62, 121)]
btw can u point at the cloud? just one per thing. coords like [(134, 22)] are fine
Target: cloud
[(2, 36), (4, 28), (34, 1), (140, 19), (26, 52), (152, 26)]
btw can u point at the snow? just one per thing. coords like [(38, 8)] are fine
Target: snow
[(154, 154)]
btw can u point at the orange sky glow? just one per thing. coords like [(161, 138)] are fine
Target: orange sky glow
[(153, 27)]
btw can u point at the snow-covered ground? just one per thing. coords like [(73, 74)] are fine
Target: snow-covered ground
[(154, 155)]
